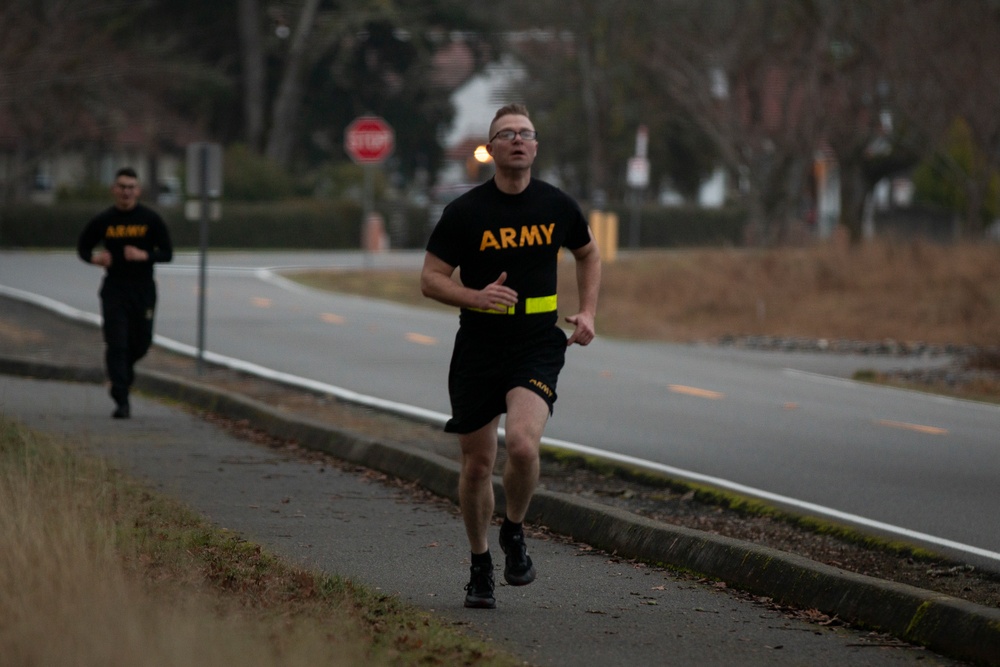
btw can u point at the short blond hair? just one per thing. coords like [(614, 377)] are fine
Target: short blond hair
[(515, 109)]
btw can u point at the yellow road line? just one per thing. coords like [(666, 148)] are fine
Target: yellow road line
[(330, 318), (695, 391), (919, 428), (261, 302), (421, 339)]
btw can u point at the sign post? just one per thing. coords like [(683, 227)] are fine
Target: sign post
[(637, 177), (204, 180), (369, 140)]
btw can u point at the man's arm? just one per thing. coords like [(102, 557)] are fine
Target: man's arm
[(436, 283), (588, 284), (89, 238), (163, 247)]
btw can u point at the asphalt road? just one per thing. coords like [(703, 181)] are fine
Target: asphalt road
[(790, 428)]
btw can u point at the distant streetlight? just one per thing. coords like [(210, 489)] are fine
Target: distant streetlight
[(474, 163)]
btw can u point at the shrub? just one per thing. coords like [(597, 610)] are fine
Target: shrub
[(249, 176)]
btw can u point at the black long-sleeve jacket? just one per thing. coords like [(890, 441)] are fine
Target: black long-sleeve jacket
[(114, 228)]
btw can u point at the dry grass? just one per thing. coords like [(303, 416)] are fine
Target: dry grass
[(906, 291), (96, 571)]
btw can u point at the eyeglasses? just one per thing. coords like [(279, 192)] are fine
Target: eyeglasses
[(508, 135)]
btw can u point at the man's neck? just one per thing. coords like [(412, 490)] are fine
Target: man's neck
[(512, 182)]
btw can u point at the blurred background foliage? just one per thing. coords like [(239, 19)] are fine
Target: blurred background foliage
[(755, 89)]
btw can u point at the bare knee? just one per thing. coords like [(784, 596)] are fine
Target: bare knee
[(479, 453), (527, 413), (477, 468), (522, 449)]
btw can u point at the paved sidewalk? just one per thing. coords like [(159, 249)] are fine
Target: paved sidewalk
[(586, 608)]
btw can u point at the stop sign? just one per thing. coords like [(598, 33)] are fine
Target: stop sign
[(369, 140)]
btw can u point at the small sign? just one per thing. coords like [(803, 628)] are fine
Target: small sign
[(204, 165), (637, 175), (192, 209), (369, 140)]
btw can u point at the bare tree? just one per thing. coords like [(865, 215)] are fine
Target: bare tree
[(590, 88), (774, 81), (771, 82), (853, 104), (746, 73), (76, 74), (252, 60), (597, 162), (281, 139), (948, 67), (336, 62), (54, 69)]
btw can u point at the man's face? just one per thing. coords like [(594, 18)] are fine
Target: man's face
[(515, 153), (126, 192)]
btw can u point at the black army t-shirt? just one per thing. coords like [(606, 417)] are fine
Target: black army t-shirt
[(486, 232)]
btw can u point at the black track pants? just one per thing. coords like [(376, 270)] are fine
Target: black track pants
[(127, 310)]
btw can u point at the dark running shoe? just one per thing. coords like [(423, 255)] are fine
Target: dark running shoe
[(479, 590), (121, 412), (518, 571)]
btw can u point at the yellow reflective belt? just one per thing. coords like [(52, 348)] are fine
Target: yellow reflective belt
[(540, 304), (490, 311), (532, 306)]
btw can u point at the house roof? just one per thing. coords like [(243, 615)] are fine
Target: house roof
[(453, 65)]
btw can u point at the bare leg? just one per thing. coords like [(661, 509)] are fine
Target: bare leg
[(475, 484), (527, 414)]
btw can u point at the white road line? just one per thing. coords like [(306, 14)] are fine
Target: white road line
[(438, 418), (774, 497), (269, 276), (51, 304)]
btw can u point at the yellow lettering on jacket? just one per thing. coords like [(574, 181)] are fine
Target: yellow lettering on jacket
[(510, 238), (125, 231)]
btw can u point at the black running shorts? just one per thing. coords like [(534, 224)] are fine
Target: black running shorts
[(483, 370)]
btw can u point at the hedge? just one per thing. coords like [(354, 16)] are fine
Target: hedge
[(682, 226), (298, 224), (336, 225)]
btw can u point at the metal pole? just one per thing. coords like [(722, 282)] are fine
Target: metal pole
[(203, 244), (368, 207), (633, 236)]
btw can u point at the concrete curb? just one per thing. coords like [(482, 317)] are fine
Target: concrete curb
[(944, 624)]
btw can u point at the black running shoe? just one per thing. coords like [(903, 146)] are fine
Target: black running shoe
[(479, 590), (121, 412), (518, 571)]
